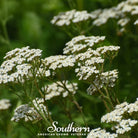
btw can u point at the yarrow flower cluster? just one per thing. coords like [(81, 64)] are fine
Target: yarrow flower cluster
[(101, 133), (108, 51), (118, 116), (123, 12), (4, 104), (26, 112), (81, 42), (109, 77), (125, 125), (25, 54), (86, 72), (50, 65), (58, 62), (106, 79), (102, 16), (87, 55), (90, 60), (58, 88), (73, 16), (18, 64), (115, 115)]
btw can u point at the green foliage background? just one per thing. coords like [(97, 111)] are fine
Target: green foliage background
[(27, 22)]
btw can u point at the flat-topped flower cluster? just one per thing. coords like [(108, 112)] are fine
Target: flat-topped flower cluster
[(73, 16), (124, 13), (18, 65), (118, 116), (90, 61), (101, 133), (57, 88), (30, 112), (123, 118)]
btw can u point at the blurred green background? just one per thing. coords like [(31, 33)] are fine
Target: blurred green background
[(27, 22)]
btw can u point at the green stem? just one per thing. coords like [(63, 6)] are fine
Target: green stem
[(42, 95), (87, 30), (49, 116), (103, 97), (109, 98), (45, 119), (42, 115), (67, 111), (73, 99), (79, 108), (67, 32)]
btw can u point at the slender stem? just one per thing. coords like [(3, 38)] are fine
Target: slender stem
[(49, 116), (103, 97), (99, 90), (65, 109), (36, 108), (117, 100), (40, 112), (42, 115), (110, 100), (80, 109), (67, 32), (108, 109), (87, 30), (42, 95), (76, 103)]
